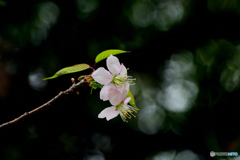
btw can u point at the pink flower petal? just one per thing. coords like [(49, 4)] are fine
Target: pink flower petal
[(123, 70), (102, 76), (115, 96), (109, 113), (127, 100), (113, 64), (104, 91)]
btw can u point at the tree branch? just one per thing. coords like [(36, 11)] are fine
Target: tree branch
[(71, 90)]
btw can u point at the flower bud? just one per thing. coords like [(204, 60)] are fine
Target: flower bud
[(73, 80)]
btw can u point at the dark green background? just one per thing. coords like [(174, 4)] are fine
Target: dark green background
[(185, 55)]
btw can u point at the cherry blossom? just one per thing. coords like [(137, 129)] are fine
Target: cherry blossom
[(125, 111), (116, 82)]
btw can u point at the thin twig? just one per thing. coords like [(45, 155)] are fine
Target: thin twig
[(71, 90)]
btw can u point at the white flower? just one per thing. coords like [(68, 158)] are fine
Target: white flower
[(125, 111), (116, 82)]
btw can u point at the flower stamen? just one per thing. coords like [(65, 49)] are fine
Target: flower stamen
[(126, 111), (122, 80)]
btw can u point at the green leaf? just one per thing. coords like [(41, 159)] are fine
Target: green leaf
[(96, 85), (107, 53), (71, 69), (132, 101)]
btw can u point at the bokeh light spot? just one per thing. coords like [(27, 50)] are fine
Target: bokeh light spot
[(86, 7), (141, 14), (35, 80), (179, 87), (230, 77), (162, 14), (150, 119)]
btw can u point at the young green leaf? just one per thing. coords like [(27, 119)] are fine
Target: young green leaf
[(132, 101), (107, 53), (96, 84), (71, 69)]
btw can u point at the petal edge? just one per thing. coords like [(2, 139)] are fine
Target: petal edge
[(113, 64)]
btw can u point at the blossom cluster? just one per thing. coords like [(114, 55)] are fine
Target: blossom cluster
[(115, 88)]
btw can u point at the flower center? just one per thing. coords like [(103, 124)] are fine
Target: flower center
[(122, 80), (126, 111)]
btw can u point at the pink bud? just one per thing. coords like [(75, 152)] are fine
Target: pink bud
[(73, 80)]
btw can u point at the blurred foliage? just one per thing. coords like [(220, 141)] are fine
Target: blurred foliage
[(185, 56), (224, 6), (3, 3)]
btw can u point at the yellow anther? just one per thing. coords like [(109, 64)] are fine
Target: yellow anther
[(135, 79), (133, 83), (127, 68)]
